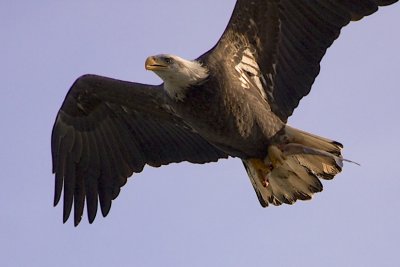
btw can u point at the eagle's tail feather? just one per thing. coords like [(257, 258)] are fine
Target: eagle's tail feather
[(306, 159)]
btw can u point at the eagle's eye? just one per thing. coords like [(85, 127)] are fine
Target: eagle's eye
[(168, 60)]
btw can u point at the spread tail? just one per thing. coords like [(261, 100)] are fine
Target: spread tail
[(293, 167)]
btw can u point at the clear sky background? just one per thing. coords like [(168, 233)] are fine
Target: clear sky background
[(184, 214)]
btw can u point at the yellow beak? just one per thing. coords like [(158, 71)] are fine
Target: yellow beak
[(152, 63)]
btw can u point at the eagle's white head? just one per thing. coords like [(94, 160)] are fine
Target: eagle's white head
[(177, 73)]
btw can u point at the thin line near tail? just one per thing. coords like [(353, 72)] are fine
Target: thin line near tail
[(294, 166)]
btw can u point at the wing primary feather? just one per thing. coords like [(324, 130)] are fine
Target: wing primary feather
[(76, 150), (59, 179), (85, 158), (81, 175), (55, 146), (110, 176), (124, 167), (79, 196), (58, 133), (110, 169), (64, 145), (92, 177), (69, 187)]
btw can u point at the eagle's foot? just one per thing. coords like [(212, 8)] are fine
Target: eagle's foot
[(265, 181), (275, 157), (262, 170)]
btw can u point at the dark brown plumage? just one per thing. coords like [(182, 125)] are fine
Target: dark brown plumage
[(236, 103)]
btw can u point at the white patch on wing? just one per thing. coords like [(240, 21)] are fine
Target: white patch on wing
[(249, 72), (270, 82)]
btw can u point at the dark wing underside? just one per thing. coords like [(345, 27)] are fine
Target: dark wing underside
[(107, 129), (288, 38)]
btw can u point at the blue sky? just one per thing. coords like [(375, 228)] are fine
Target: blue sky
[(184, 214)]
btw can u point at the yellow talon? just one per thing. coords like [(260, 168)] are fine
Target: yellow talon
[(261, 169)]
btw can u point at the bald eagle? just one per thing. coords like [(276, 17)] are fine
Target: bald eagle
[(232, 101)]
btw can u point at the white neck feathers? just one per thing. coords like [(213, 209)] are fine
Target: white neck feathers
[(185, 73)]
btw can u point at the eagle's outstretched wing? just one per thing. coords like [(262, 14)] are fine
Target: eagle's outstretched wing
[(107, 129), (287, 39)]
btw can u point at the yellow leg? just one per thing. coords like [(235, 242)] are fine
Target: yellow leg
[(261, 169)]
